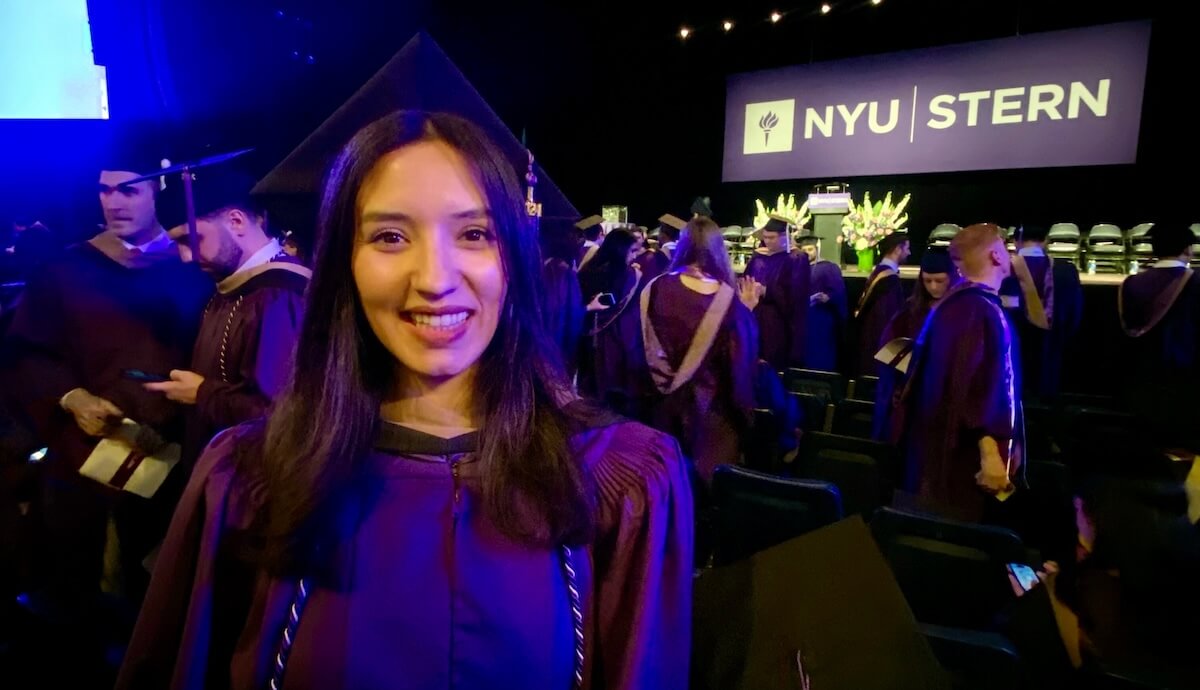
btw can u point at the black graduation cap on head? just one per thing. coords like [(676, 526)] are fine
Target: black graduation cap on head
[(213, 189), (133, 149), (702, 206), (889, 243), (1030, 232), (806, 238), (777, 224), (419, 77), (936, 260)]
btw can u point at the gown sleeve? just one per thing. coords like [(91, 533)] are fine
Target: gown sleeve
[(41, 338), (643, 561), (180, 625), (799, 289), (265, 366)]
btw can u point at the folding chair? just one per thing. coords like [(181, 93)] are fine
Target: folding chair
[(755, 511), (863, 388), (975, 660), (816, 411), (865, 472), (854, 418), (829, 385), (952, 573)]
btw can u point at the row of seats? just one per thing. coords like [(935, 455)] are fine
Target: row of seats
[(1106, 247), (953, 575)]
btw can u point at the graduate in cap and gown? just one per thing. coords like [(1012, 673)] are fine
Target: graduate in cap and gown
[(961, 443), (428, 505), (827, 308), (1160, 315), (611, 364), (244, 349), (881, 299), (652, 263), (563, 310), (701, 349), (121, 301), (784, 279), (938, 275), (669, 227), (593, 234), (1044, 300)]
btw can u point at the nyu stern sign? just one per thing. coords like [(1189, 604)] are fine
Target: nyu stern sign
[(1044, 100)]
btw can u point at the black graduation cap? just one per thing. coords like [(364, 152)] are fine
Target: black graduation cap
[(1030, 232), (1173, 234), (134, 149), (419, 77), (777, 224), (702, 206), (806, 239), (936, 260), (889, 243), (671, 221), (809, 611), (213, 189)]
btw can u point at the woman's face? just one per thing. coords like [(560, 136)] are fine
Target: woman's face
[(936, 284), (426, 260)]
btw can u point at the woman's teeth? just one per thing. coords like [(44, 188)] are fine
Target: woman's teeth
[(439, 320)]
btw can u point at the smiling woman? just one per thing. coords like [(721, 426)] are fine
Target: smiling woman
[(428, 506)]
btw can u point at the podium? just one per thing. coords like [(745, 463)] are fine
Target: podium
[(827, 210)]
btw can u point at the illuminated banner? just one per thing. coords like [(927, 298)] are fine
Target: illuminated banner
[(1043, 100)]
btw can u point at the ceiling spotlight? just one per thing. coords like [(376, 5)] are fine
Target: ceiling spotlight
[(826, 8), (775, 17), (876, 2), (727, 25), (685, 32)]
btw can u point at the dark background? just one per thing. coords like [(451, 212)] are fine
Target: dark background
[(617, 108)]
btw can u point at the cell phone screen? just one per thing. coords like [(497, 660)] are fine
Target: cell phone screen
[(139, 375), (1025, 575)]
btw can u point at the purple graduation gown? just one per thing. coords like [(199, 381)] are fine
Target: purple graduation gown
[(1162, 365), (95, 311), (617, 361), (962, 390), (244, 349), (782, 313), (710, 413), (825, 320), (435, 597), (1041, 351), (563, 311), (875, 310), (885, 424)]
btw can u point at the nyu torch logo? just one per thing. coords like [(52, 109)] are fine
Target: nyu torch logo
[(769, 127), (767, 123)]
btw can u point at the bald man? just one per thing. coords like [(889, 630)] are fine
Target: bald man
[(961, 404)]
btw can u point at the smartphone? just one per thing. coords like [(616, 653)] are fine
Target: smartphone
[(143, 377), (606, 299), (1025, 575)]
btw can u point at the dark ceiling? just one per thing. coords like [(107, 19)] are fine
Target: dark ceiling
[(617, 107)]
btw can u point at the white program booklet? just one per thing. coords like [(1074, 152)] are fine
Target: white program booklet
[(116, 461), (897, 354)]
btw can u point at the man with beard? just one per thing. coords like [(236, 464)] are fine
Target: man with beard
[(244, 350)]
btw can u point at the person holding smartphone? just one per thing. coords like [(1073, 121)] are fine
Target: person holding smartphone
[(244, 349), (610, 366)]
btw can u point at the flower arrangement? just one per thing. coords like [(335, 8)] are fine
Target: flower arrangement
[(868, 223), (797, 216)]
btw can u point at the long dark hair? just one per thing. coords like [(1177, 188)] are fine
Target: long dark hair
[(702, 245), (608, 269), (325, 423)]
